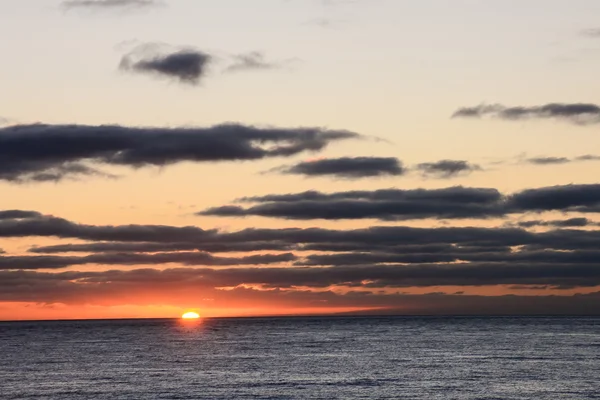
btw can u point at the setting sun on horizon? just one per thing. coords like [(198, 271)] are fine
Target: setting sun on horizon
[(190, 315)]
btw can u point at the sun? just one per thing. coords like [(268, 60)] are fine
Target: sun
[(190, 315)]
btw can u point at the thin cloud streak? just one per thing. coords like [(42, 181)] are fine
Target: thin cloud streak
[(124, 259), (251, 61), (561, 223), (577, 113), (561, 160)]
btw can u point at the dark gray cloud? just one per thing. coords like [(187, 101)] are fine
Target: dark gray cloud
[(187, 65), (398, 239), (447, 168), (348, 167), (566, 198), (49, 226), (416, 245), (184, 65), (454, 194), (546, 257), (562, 223), (369, 258), (149, 247), (51, 152), (145, 235), (104, 4), (251, 61), (579, 113), (375, 245), (394, 204), (122, 259)]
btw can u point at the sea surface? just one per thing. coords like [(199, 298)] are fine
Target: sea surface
[(303, 358)]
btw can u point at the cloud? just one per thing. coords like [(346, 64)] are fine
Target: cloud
[(347, 167), (122, 259), (548, 160), (561, 160), (579, 113), (187, 66), (566, 198), (52, 152), (375, 245), (374, 258), (391, 204), (588, 157), (250, 61), (19, 214), (106, 4), (447, 168), (397, 239), (181, 286), (467, 258), (149, 247), (49, 226), (389, 239), (562, 223), (394, 204)]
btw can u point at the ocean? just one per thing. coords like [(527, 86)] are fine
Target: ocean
[(303, 358)]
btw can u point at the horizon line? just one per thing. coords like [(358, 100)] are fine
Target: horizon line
[(597, 315)]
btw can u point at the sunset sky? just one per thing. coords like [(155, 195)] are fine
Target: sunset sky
[(275, 157)]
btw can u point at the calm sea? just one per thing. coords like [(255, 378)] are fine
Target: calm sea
[(303, 358)]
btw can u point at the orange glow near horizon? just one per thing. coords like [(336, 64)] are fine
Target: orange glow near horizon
[(254, 303), (32, 311)]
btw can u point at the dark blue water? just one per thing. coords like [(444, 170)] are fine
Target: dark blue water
[(303, 358)]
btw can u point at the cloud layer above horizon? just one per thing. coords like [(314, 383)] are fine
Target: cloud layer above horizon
[(376, 261)]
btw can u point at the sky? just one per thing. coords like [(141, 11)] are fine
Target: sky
[(286, 157)]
